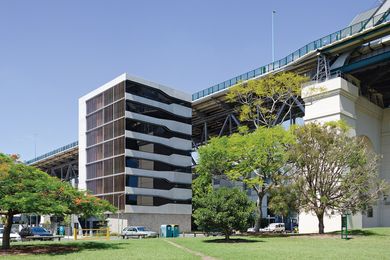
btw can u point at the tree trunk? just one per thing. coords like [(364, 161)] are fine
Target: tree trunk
[(259, 213), (7, 231), (321, 226)]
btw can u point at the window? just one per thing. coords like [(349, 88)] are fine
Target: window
[(108, 149), (108, 184), (95, 137), (153, 129), (108, 131), (108, 167), (119, 164), (119, 91), (108, 96), (370, 212), (153, 183), (153, 93), (119, 127), (119, 146), (95, 120), (142, 200), (95, 170), (144, 164), (155, 112), (119, 182), (150, 147), (95, 153), (119, 109), (108, 114), (94, 104)]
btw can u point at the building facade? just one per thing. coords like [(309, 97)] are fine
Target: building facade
[(135, 152)]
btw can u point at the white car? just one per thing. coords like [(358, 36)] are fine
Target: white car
[(13, 236), (138, 231), (274, 227), (251, 230)]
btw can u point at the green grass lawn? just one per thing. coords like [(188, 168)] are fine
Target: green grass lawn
[(366, 244)]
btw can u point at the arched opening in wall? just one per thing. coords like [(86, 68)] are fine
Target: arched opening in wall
[(367, 142)]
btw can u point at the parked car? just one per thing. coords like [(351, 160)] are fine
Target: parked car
[(251, 230), (274, 227), (138, 231), (13, 236), (35, 231)]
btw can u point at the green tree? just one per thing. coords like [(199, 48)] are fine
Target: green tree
[(284, 199), (257, 159), (262, 100), (25, 189), (224, 210), (334, 171)]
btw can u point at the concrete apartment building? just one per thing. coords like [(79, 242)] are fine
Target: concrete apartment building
[(135, 151)]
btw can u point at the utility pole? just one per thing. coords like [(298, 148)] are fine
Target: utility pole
[(272, 37), (35, 146)]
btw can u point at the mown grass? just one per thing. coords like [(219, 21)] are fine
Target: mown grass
[(364, 244)]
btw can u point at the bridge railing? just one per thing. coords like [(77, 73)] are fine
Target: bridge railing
[(314, 45), (56, 151)]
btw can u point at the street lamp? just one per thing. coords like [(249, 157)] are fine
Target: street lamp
[(119, 210)]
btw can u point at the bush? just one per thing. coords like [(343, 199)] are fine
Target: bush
[(224, 210)]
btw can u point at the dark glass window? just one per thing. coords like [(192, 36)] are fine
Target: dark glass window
[(95, 120), (146, 110), (94, 153), (157, 183), (144, 164), (119, 183), (150, 147), (131, 181), (119, 91), (119, 127), (142, 200), (108, 131), (153, 93), (108, 113), (119, 109), (119, 164), (131, 199), (108, 96), (94, 103), (95, 136), (153, 129)]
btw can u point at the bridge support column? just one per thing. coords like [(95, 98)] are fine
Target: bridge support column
[(330, 100)]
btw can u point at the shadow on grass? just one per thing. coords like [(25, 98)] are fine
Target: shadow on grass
[(232, 240), (360, 232), (59, 248)]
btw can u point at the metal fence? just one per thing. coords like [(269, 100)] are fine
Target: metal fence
[(56, 151), (324, 41)]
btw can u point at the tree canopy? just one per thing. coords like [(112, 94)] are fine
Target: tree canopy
[(267, 100), (258, 159), (334, 171), (26, 189), (224, 210)]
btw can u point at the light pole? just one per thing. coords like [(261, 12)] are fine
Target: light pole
[(272, 36), (119, 211)]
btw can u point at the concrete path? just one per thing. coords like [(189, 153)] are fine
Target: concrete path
[(196, 253)]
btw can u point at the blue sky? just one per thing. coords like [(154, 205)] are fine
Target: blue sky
[(53, 52)]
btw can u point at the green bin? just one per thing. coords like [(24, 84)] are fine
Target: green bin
[(175, 230)]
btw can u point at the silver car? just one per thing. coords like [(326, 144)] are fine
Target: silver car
[(138, 232), (13, 236)]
